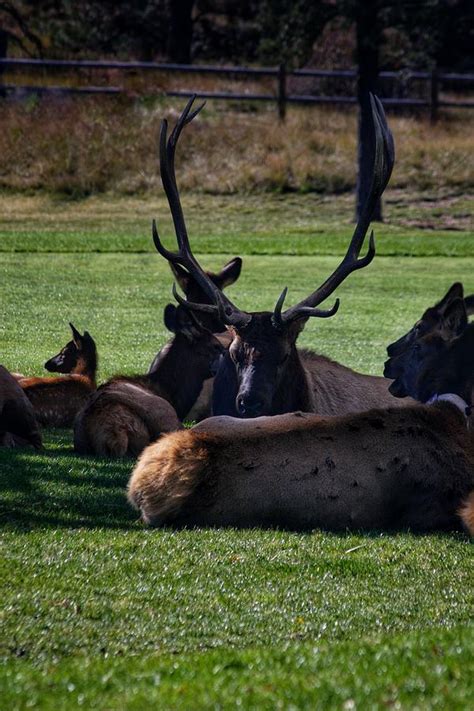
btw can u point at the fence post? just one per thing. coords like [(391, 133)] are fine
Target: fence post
[(281, 92), (434, 95), (3, 55)]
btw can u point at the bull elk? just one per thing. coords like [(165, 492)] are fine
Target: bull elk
[(56, 401), (433, 319), (263, 372), (398, 468), (18, 425)]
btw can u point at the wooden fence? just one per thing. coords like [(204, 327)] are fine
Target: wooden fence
[(281, 97)]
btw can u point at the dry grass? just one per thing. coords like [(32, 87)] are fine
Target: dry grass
[(85, 145)]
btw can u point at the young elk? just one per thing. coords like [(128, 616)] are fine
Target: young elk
[(434, 319), (18, 424), (129, 412), (263, 372), (56, 401), (409, 468)]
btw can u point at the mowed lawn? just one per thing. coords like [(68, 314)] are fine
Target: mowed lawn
[(98, 612)]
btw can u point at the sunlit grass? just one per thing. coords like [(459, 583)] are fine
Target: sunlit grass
[(97, 612)]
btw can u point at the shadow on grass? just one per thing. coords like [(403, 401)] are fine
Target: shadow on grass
[(58, 489)]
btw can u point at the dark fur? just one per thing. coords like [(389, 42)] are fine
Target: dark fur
[(18, 424), (265, 374), (433, 319)]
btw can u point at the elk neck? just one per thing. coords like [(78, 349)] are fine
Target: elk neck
[(179, 373)]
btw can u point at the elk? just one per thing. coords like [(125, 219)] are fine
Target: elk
[(56, 401), (385, 469), (263, 372), (433, 319), (18, 424), (178, 320), (128, 412)]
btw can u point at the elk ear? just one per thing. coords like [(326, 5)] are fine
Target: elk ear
[(456, 291), (229, 273), (181, 275), (169, 317), (87, 337), (76, 336), (454, 319)]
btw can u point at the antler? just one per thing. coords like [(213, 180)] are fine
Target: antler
[(384, 156), (222, 305)]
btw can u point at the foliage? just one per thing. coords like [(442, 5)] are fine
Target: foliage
[(83, 146), (413, 34)]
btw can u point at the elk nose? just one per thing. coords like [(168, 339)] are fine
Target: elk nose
[(248, 406)]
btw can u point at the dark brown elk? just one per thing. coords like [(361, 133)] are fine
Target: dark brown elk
[(57, 400), (263, 372), (129, 412), (178, 320), (18, 424), (433, 319), (409, 468)]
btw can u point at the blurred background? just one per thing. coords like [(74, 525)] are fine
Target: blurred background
[(84, 84)]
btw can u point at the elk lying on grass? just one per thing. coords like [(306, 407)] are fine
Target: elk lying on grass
[(434, 319), (263, 372), (409, 468), (18, 424), (179, 320), (129, 412), (56, 401)]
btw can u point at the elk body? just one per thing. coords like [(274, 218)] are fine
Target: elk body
[(409, 468), (18, 424), (263, 373), (178, 320), (57, 400), (129, 412)]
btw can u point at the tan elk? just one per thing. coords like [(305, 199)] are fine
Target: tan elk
[(385, 469), (263, 372), (129, 412), (18, 425), (57, 400), (433, 319)]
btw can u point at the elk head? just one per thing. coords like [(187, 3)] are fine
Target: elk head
[(437, 363), (79, 354), (432, 320), (177, 319), (263, 350)]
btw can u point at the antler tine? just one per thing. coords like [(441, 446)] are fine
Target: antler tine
[(227, 311), (192, 305), (384, 156)]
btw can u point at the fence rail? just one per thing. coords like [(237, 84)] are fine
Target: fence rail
[(281, 97)]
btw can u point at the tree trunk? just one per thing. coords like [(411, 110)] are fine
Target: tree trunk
[(180, 31), (368, 39)]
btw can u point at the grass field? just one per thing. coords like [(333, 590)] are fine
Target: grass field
[(97, 612)]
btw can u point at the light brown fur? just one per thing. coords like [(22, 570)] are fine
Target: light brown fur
[(125, 419), (167, 473), (383, 469), (466, 513)]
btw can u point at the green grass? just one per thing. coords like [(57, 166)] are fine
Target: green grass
[(97, 612)]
